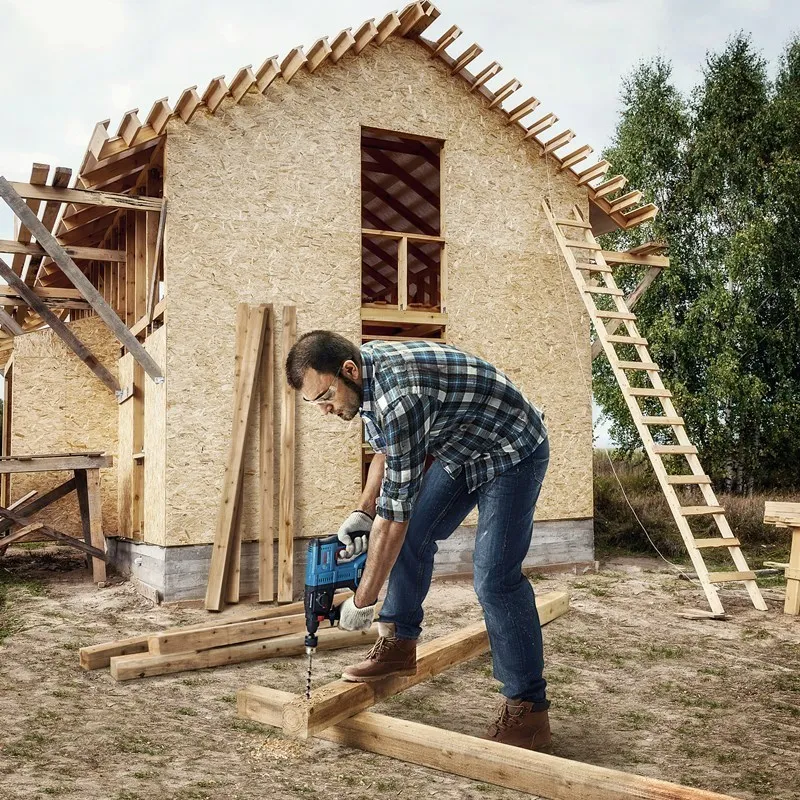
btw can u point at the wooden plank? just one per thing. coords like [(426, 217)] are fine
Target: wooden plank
[(54, 534), (79, 280), (663, 421), (81, 253), (125, 668), (504, 92), (614, 257), (485, 75), (674, 449), (228, 633), (266, 461), (267, 73), (97, 656), (364, 34), (688, 479), (57, 326), (242, 81), (53, 463), (244, 320), (339, 700), (724, 577), (9, 324), (791, 604), (402, 274), (779, 513), (33, 527), (615, 315), (582, 245), (644, 366), (716, 541), (379, 314), (414, 237), (139, 266), (523, 109), (242, 403), (486, 761), (342, 42), (696, 511), (91, 197), (286, 490)]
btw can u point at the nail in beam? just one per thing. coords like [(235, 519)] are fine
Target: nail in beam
[(78, 279), (481, 760)]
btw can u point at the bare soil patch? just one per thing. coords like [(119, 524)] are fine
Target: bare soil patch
[(633, 686)]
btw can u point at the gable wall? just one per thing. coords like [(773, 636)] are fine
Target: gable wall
[(264, 206)]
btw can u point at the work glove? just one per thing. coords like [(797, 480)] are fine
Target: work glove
[(353, 534), (353, 618)]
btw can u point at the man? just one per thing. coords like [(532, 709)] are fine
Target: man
[(489, 448)]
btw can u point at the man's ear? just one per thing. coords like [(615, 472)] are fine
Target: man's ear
[(350, 368)]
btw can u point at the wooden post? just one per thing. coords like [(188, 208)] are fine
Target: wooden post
[(787, 515), (266, 465), (286, 492), (242, 402), (402, 273), (339, 700)]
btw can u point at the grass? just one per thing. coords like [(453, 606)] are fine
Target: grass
[(618, 532), (12, 588)]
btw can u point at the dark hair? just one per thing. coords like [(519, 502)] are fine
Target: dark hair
[(324, 351)]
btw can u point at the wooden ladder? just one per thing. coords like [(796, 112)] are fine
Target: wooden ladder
[(584, 257)]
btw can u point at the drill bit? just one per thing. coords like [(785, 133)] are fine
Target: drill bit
[(310, 652)]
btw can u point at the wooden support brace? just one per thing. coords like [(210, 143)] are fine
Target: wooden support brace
[(188, 103), (266, 460), (343, 41), (292, 62), (364, 35), (317, 53), (242, 81), (339, 700), (387, 26), (79, 280), (267, 73), (485, 75), (482, 760)]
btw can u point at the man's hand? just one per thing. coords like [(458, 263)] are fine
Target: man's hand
[(353, 534), (353, 618)]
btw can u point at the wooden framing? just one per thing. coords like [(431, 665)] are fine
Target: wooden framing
[(79, 280), (81, 253), (287, 460), (58, 327), (90, 197)]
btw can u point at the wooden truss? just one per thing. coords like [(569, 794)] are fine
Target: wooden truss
[(338, 712)]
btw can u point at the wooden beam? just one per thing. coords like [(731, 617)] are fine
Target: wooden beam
[(612, 257), (397, 205), (32, 506), (97, 656), (82, 253), (54, 463), (242, 403), (79, 280), (9, 324), (242, 81), (52, 533), (339, 700), (384, 164), (267, 73), (57, 326), (286, 489), (266, 461), (393, 315), (158, 258), (125, 668), (90, 197), (482, 760)]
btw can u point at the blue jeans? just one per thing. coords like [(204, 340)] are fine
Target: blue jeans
[(505, 525)]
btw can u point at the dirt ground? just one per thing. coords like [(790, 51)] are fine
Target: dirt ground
[(633, 687)]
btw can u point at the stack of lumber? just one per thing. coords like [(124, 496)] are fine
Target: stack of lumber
[(251, 635), (254, 377)]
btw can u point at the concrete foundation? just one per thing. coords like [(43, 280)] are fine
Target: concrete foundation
[(181, 573)]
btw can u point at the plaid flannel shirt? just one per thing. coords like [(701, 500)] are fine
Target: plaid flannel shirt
[(422, 398)]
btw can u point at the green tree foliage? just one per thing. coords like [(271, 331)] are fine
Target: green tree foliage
[(724, 320)]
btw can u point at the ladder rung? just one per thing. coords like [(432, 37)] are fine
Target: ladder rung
[(663, 420), (637, 392), (723, 577), (574, 223), (648, 366), (696, 511), (605, 290), (688, 479), (626, 339), (585, 265), (576, 245), (675, 450), (717, 541), (615, 315)]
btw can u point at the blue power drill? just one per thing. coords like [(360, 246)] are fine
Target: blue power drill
[(324, 575)]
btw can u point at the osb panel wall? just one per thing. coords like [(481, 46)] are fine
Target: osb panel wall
[(60, 406), (265, 207)]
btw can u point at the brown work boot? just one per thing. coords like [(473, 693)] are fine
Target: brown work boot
[(389, 656), (519, 725)]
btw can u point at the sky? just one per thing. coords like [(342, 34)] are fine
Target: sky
[(69, 64)]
